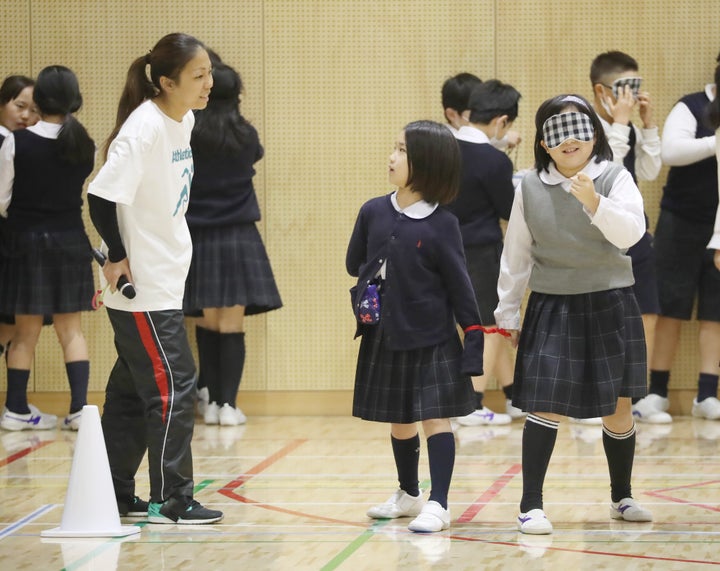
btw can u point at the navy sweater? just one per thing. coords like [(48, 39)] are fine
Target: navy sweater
[(427, 287), (486, 193), (691, 191), (222, 191), (47, 190)]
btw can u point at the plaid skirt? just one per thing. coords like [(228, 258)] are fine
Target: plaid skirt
[(407, 386), (578, 353), (230, 267), (47, 272)]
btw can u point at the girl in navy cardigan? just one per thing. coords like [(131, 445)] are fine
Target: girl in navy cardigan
[(411, 364)]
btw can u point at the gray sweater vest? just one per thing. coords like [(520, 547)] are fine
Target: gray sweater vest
[(570, 255)]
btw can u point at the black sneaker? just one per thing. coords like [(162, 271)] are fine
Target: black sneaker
[(181, 511), (134, 508)]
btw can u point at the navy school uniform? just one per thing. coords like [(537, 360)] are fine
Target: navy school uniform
[(412, 365), (48, 268)]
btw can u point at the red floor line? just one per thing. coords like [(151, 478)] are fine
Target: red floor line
[(24, 452), (488, 495), (662, 495)]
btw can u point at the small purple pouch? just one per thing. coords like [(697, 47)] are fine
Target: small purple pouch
[(369, 308)]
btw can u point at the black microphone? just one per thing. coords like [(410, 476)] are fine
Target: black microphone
[(123, 284)]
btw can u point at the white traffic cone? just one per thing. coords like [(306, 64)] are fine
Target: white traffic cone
[(90, 505)]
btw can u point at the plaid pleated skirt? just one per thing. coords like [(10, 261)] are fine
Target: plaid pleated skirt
[(47, 272), (407, 386), (578, 353), (230, 267)]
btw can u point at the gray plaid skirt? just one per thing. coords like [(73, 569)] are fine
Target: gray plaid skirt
[(230, 267), (407, 386), (47, 272), (578, 353)]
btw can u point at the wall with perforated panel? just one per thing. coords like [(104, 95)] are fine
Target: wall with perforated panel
[(329, 84)]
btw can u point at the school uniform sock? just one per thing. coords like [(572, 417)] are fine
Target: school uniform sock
[(16, 398), (620, 454), (208, 344), (78, 374), (232, 363), (659, 381), (538, 442), (479, 396), (707, 386), (199, 333), (441, 457), (407, 456), (508, 391)]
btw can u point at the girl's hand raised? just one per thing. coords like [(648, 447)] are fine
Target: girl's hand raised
[(583, 189)]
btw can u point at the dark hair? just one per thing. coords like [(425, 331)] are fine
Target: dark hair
[(220, 128), (433, 158), (611, 63), (559, 104), (456, 91), (714, 108), (57, 92), (12, 86), (491, 99), (166, 59)]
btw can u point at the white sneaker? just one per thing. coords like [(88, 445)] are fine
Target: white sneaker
[(212, 413), (513, 411), (34, 420), (400, 504), (629, 510), (230, 416), (652, 409), (709, 408), (595, 421), (534, 522), (484, 416), (72, 421), (203, 399), (433, 517)]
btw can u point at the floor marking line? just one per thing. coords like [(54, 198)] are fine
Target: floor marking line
[(24, 521), (359, 541), (24, 452), (488, 495)]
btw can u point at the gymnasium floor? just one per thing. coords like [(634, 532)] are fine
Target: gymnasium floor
[(295, 489)]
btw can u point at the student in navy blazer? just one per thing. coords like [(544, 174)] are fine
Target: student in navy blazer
[(411, 364)]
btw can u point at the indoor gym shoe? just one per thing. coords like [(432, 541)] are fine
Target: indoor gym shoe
[(534, 522), (433, 517), (231, 416), (180, 511), (594, 421), (400, 504), (629, 510), (513, 411), (72, 421), (34, 420), (484, 416), (203, 399), (212, 414), (708, 408), (652, 409), (133, 508)]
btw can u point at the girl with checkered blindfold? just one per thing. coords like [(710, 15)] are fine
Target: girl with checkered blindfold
[(581, 353)]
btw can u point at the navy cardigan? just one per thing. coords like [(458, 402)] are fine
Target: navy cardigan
[(427, 289)]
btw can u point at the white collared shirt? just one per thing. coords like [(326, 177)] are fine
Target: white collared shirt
[(680, 147), (715, 240), (619, 217)]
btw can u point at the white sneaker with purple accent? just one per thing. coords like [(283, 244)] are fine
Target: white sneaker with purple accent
[(484, 416), (534, 522), (629, 510)]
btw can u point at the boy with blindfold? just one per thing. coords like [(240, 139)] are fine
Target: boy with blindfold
[(617, 94), (581, 352)]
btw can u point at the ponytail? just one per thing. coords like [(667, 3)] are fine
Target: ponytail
[(138, 88), (57, 92)]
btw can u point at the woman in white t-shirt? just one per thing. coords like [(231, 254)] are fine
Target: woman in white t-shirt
[(137, 203)]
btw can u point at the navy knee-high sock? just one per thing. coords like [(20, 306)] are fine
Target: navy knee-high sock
[(407, 455), (199, 338), (78, 374), (707, 386), (620, 454), (16, 398), (232, 363), (209, 362), (441, 456), (538, 442)]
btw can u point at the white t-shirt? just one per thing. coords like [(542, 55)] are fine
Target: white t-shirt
[(148, 174)]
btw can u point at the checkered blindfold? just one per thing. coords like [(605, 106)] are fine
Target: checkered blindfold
[(573, 125), (632, 82)]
